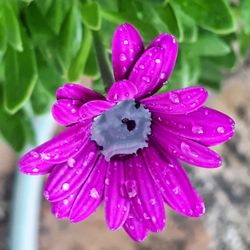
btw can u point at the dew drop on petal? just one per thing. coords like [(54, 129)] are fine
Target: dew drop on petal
[(34, 154), (94, 193), (197, 130), (65, 201), (122, 57), (35, 170), (157, 60), (107, 181), (163, 75), (65, 186), (71, 162), (220, 130), (153, 219), (46, 194), (185, 148), (125, 42), (131, 188), (152, 201), (176, 190), (146, 78), (141, 66), (174, 98)]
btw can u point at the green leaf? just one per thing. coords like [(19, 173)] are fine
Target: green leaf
[(208, 44), (12, 26), (245, 15), (244, 42), (44, 5), (40, 99), (91, 69), (225, 62), (70, 37), (27, 1), (214, 16), (20, 76), (187, 24), (91, 17), (3, 37), (78, 63)]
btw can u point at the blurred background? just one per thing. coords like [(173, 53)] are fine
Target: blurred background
[(45, 43)]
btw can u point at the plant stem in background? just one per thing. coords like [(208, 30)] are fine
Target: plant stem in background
[(103, 63)]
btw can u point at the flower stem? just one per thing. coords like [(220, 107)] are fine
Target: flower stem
[(102, 61)]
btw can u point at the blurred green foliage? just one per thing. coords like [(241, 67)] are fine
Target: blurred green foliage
[(44, 43)]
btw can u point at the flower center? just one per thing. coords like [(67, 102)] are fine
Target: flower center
[(122, 130)]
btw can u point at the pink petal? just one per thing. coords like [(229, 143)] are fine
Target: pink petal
[(179, 101), (57, 150), (91, 194), (116, 206), (69, 176), (77, 92), (135, 228), (61, 209), (66, 111), (122, 90), (205, 125), (145, 197), (94, 108), (146, 73), (185, 149), (169, 43), (127, 46), (173, 182)]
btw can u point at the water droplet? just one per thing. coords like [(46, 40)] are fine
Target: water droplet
[(220, 130), (132, 227), (174, 40), (176, 190), (35, 170), (107, 181), (159, 118), (206, 112), (34, 154), (65, 201), (131, 188), (157, 60), (171, 165), (125, 42), (131, 50), (44, 156), (71, 162), (94, 193), (152, 201), (186, 149), (46, 194), (146, 217), (174, 98), (141, 66), (146, 78), (65, 186), (88, 158), (197, 130), (73, 111), (78, 171), (153, 219), (122, 57), (163, 75)]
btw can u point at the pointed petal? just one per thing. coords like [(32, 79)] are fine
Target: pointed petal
[(179, 101), (122, 90), (94, 108), (127, 46), (169, 43), (205, 125), (61, 209), (116, 205), (135, 228), (145, 197), (57, 150), (69, 176), (77, 92), (173, 182), (184, 149), (91, 194), (146, 73), (66, 111)]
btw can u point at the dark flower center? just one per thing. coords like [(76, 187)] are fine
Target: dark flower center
[(122, 130)]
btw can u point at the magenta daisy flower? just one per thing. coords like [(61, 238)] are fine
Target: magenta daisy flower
[(125, 149)]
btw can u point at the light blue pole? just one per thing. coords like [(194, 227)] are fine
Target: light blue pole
[(25, 211)]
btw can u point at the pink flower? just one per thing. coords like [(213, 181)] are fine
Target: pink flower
[(125, 149)]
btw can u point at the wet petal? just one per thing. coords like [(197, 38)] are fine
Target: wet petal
[(205, 125), (66, 111), (69, 176), (61, 209), (147, 71), (94, 108), (91, 194), (185, 149), (144, 195), (169, 43), (57, 150), (127, 46), (173, 182), (77, 92), (135, 228), (116, 206), (179, 101), (122, 90)]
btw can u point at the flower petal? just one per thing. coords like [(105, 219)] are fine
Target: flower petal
[(185, 149), (77, 92), (122, 90), (169, 43), (116, 206), (57, 150), (145, 197), (69, 176), (61, 209), (135, 228), (66, 111), (205, 125), (173, 182), (146, 73), (127, 46), (179, 101), (93, 108), (91, 194)]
